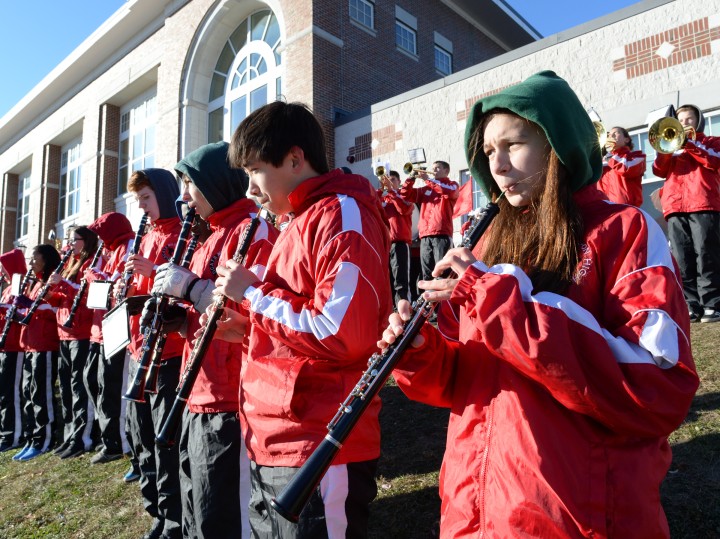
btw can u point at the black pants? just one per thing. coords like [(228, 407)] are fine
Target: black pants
[(159, 473), (695, 243), (339, 507), (214, 476), (108, 377), (39, 375), (75, 408), (432, 249), (10, 398), (400, 270)]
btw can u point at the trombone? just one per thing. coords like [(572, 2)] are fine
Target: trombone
[(668, 135)]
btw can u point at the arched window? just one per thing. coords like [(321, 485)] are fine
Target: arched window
[(247, 74)]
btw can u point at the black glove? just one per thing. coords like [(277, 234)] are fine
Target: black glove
[(173, 318), (22, 301), (148, 312)]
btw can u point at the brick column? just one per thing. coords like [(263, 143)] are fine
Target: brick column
[(50, 191), (8, 212), (108, 153)]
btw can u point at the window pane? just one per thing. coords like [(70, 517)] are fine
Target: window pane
[(259, 21), (217, 86), (239, 37), (273, 33), (238, 112), (258, 98), (226, 59), (150, 139), (215, 125), (137, 145)]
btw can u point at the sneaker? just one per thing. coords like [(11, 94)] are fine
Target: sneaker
[(30, 454), (19, 454), (132, 475), (710, 315), (6, 447), (694, 317), (155, 531), (102, 457), (61, 448), (72, 452)]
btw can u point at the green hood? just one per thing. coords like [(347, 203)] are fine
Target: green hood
[(209, 170), (548, 101)]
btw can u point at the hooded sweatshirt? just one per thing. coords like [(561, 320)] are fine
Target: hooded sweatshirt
[(216, 388), (562, 118), (316, 318), (561, 404), (692, 183), (115, 230), (14, 263), (158, 246)]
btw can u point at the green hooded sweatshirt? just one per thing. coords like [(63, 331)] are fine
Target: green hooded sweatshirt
[(548, 101)]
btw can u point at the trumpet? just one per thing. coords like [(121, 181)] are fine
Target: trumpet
[(408, 168), (667, 135), (601, 133)]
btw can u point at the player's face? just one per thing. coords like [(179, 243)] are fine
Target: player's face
[(517, 153), (270, 186), (147, 202), (195, 199)]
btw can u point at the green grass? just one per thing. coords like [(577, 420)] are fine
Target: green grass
[(52, 498)]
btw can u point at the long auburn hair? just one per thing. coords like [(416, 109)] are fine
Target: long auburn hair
[(90, 245), (542, 238)]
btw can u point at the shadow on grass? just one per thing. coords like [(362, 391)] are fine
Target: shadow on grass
[(415, 515), (691, 489), (706, 402), (413, 435)]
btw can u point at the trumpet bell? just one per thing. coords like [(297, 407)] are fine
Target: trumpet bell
[(667, 135), (380, 171), (408, 169)]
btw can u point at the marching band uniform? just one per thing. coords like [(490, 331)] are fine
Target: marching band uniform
[(622, 176), (399, 215)]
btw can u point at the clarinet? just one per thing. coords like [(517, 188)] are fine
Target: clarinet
[(151, 378), (10, 314), (83, 285), (300, 488), (168, 432), (45, 289), (127, 274), (136, 392)]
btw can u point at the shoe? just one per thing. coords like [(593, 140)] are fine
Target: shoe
[(99, 447), (102, 457), (156, 530), (710, 315), (30, 454), (61, 448), (72, 452), (131, 475), (6, 447), (19, 454), (694, 317)]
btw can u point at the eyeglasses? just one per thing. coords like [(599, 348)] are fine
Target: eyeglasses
[(74, 240)]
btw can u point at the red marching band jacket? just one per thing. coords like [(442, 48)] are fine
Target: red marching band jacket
[(561, 405), (14, 263), (436, 199), (216, 387), (62, 296), (622, 176), (399, 215), (316, 319), (691, 177)]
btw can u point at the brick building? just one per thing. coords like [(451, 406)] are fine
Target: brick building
[(624, 66), (162, 77)]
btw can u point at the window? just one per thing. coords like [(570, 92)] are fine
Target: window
[(405, 37), (363, 12), (23, 205), (443, 60), (137, 138), (69, 181), (248, 74)]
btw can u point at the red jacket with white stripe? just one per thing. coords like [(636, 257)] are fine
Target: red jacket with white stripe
[(561, 405), (437, 199), (622, 175), (399, 214), (316, 319), (158, 246), (216, 388), (691, 177), (41, 334)]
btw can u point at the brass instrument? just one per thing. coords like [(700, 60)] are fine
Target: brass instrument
[(668, 135), (408, 169), (601, 133)]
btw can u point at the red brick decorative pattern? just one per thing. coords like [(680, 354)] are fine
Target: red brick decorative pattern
[(470, 101), (386, 137), (691, 41)]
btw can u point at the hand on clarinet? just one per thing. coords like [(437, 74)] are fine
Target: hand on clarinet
[(139, 264), (230, 328), (233, 279), (396, 326), (173, 280), (54, 279), (457, 260)]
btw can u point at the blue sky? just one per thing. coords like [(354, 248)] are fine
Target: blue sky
[(38, 35)]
